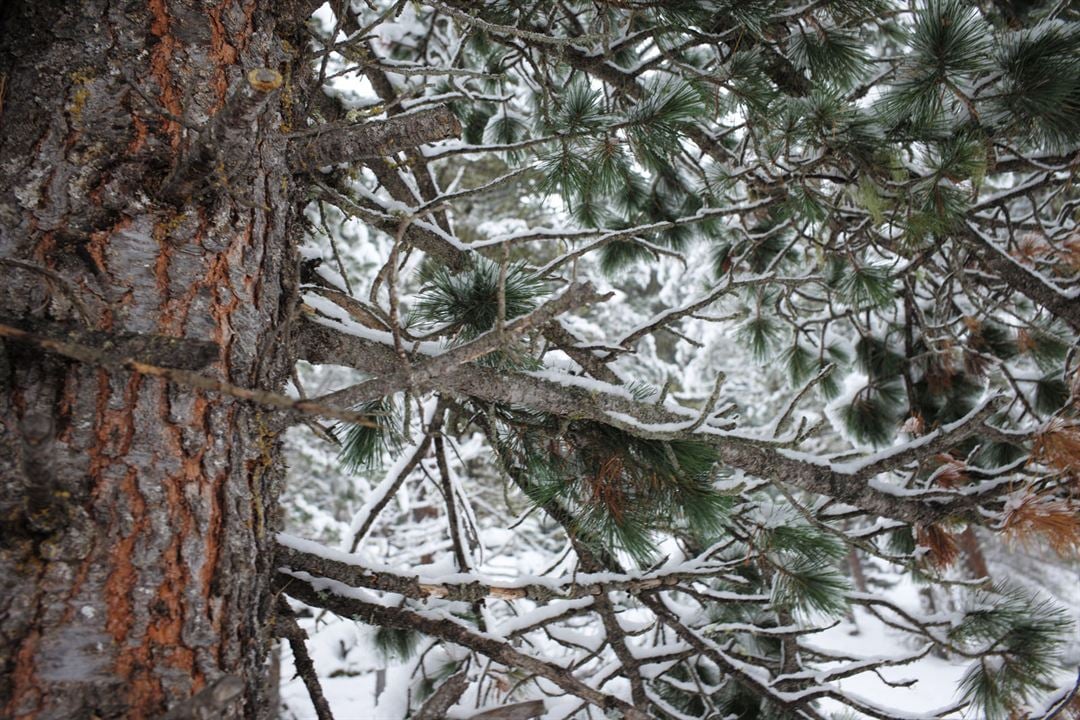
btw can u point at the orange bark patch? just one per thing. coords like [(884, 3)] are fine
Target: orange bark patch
[(114, 429), (218, 279), (124, 577), (249, 25), (145, 696), (45, 248), (214, 532), (167, 610), (159, 67), (167, 319), (221, 51), (174, 310), (24, 691), (200, 421), (98, 457), (76, 585), (139, 141), (64, 408), (96, 249), (162, 645), (213, 536)]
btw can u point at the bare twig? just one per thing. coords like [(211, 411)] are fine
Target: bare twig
[(285, 626), (57, 281)]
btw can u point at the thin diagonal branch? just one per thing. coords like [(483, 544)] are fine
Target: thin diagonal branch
[(285, 626)]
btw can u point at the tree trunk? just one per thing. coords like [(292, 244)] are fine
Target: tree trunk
[(858, 575), (973, 554), (137, 514)]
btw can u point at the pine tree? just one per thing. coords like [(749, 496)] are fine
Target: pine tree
[(658, 316)]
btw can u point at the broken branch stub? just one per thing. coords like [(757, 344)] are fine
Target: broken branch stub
[(227, 141), (373, 139)]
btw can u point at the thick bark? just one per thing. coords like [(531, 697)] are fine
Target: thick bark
[(137, 514)]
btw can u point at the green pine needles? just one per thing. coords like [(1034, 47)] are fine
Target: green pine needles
[(612, 165), (363, 446), (831, 55), (804, 564), (1040, 84), (396, 644), (465, 305), (1016, 641), (950, 44), (1033, 77), (865, 286), (621, 489)]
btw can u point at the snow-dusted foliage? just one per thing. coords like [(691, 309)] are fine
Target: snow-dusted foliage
[(723, 365)]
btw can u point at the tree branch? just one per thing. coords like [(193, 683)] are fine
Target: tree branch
[(104, 348), (450, 631), (292, 560), (569, 397), (425, 374), (106, 356), (373, 139), (286, 627), (435, 707), (419, 235), (1058, 303), (518, 711)]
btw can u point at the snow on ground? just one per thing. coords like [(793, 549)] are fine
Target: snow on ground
[(343, 652), (346, 661), (352, 697), (937, 679)]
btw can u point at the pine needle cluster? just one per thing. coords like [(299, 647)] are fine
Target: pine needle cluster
[(622, 489)]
